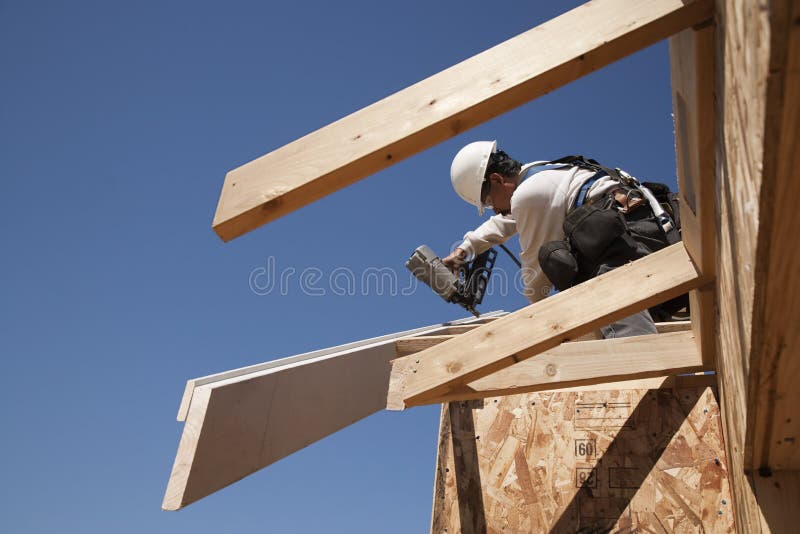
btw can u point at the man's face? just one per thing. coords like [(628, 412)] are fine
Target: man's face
[(500, 191)]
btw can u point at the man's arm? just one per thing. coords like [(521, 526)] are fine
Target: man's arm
[(495, 231)]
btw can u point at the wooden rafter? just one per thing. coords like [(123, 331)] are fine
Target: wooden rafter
[(545, 324), (444, 105), (240, 421)]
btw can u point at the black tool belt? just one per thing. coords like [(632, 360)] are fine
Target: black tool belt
[(600, 234)]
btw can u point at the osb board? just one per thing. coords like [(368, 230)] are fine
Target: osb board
[(588, 461)]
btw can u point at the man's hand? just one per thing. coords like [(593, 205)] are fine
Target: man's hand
[(455, 260)]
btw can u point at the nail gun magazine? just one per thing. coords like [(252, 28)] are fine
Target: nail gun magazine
[(465, 288)]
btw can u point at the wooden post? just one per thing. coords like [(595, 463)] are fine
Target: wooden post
[(758, 80), (692, 66)]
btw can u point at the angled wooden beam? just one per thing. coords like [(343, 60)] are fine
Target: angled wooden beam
[(240, 421), (546, 324), (580, 363), (692, 54), (194, 383), (444, 105)]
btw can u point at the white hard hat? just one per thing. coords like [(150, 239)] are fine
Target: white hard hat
[(468, 169)]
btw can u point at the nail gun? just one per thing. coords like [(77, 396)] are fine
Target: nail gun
[(465, 288)]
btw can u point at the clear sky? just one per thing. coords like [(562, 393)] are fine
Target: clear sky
[(118, 122)]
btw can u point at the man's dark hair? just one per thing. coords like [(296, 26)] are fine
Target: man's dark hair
[(500, 162)]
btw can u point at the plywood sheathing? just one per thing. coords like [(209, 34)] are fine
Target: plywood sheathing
[(625, 460)]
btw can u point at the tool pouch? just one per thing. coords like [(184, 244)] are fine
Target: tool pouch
[(594, 236), (591, 229), (559, 264)]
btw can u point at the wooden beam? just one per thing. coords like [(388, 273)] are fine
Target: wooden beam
[(758, 262), (545, 324), (243, 420), (194, 383), (778, 495), (444, 105), (694, 380), (580, 363), (412, 345), (773, 390), (692, 53)]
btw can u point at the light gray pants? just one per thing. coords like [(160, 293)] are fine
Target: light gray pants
[(637, 324)]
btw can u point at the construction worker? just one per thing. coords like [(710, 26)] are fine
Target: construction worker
[(531, 200)]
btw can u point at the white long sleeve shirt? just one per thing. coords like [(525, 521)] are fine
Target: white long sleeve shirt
[(538, 208)]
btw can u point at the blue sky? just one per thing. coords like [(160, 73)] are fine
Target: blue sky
[(118, 122)]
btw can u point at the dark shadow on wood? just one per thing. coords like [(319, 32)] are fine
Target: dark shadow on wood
[(468, 474), (641, 441)]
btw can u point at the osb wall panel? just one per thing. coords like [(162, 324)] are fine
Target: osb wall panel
[(589, 461)]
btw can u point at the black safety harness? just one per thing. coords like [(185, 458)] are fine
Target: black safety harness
[(627, 223)]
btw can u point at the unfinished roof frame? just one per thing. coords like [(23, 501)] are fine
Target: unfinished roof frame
[(743, 317)]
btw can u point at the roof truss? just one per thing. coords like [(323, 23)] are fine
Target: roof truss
[(546, 324)]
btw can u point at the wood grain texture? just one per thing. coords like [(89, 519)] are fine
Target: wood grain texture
[(574, 364), (774, 380), (757, 282), (588, 363), (778, 495), (411, 345), (692, 54), (741, 70), (444, 105), (243, 420), (251, 421), (546, 324), (445, 328), (621, 461)]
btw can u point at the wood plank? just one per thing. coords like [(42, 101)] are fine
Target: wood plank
[(588, 363), (692, 53), (251, 421), (778, 495), (194, 383), (758, 263), (412, 345), (243, 420), (444, 105), (694, 380), (612, 461), (545, 324), (448, 327), (692, 71), (773, 393), (574, 364), (741, 71)]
